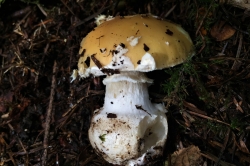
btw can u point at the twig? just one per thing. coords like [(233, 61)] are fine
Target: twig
[(238, 153), (21, 12), (90, 17), (41, 62), (20, 143), (169, 11), (223, 148), (203, 18), (37, 147), (29, 152), (214, 158), (41, 9), (193, 108), (70, 112), (229, 58), (21, 21), (203, 45), (234, 76), (43, 23), (74, 106), (48, 117), (209, 118), (10, 153), (68, 7), (237, 64)]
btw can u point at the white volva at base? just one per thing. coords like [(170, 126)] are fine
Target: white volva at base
[(129, 129)]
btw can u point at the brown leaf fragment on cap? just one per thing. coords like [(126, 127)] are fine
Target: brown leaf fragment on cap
[(139, 107), (111, 115), (168, 32), (122, 45), (222, 31), (110, 71), (102, 50), (96, 61), (83, 52), (137, 32), (145, 47), (100, 37)]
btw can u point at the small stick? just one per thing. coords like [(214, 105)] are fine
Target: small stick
[(22, 20), (236, 63), (209, 118), (10, 153), (169, 11), (203, 18), (68, 7), (41, 9), (214, 158), (223, 147), (18, 139), (90, 17), (48, 117)]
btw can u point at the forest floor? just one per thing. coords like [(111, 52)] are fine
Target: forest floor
[(44, 117)]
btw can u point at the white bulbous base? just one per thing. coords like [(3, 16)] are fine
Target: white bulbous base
[(129, 129)]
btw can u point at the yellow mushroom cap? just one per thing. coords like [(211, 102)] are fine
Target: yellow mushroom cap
[(134, 43)]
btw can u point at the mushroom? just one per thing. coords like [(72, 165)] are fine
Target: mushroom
[(129, 129)]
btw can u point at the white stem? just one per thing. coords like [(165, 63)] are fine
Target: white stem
[(126, 97)]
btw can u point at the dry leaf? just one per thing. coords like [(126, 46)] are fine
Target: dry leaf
[(243, 147), (243, 4), (192, 107), (238, 105), (222, 31), (188, 118), (203, 31), (213, 80), (189, 156)]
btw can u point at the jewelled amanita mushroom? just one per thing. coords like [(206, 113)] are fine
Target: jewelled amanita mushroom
[(129, 129)]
